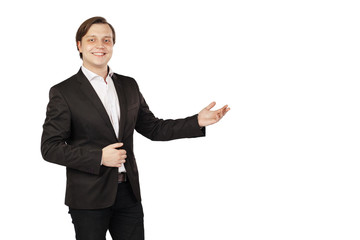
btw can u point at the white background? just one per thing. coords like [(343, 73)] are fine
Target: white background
[(284, 162)]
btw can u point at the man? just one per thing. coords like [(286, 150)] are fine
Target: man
[(89, 127)]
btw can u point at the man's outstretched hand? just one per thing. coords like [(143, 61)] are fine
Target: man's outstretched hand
[(207, 117)]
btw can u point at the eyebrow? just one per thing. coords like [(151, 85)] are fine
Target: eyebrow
[(96, 36)]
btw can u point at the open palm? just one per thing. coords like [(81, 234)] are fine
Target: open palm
[(207, 117)]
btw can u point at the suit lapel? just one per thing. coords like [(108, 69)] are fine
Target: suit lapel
[(119, 86), (122, 103), (89, 91)]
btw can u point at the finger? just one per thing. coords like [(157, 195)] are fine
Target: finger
[(221, 109), (210, 106), (122, 152), (221, 112), (120, 155), (116, 145), (225, 109), (120, 163)]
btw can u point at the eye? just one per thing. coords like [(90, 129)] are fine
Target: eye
[(91, 40)]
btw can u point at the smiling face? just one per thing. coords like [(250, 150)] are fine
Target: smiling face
[(97, 47)]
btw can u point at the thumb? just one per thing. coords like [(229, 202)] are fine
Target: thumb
[(210, 106), (116, 145)]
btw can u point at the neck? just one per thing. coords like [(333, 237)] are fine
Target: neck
[(101, 71)]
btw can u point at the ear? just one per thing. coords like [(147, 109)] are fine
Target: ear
[(79, 46)]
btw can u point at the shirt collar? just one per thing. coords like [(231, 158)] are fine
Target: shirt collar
[(91, 75)]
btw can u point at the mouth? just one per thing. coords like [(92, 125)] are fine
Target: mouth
[(99, 54)]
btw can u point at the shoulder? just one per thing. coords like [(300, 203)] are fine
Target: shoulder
[(67, 83), (120, 77), (125, 80)]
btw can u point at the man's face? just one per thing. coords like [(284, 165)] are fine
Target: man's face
[(97, 46)]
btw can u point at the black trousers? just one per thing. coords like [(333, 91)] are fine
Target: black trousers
[(124, 219)]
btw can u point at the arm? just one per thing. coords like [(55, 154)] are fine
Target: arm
[(56, 133), (162, 130)]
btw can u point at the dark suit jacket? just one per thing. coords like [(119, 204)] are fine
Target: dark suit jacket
[(77, 127)]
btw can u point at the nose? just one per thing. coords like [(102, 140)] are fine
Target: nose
[(100, 44)]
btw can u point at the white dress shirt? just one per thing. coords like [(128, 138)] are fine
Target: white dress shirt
[(108, 96)]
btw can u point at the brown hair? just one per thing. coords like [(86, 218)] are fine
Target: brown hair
[(85, 26)]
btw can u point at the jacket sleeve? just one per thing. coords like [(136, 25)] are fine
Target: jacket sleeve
[(56, 133), (163, 130)]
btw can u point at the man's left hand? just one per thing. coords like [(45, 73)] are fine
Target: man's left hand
[(207, 117)]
